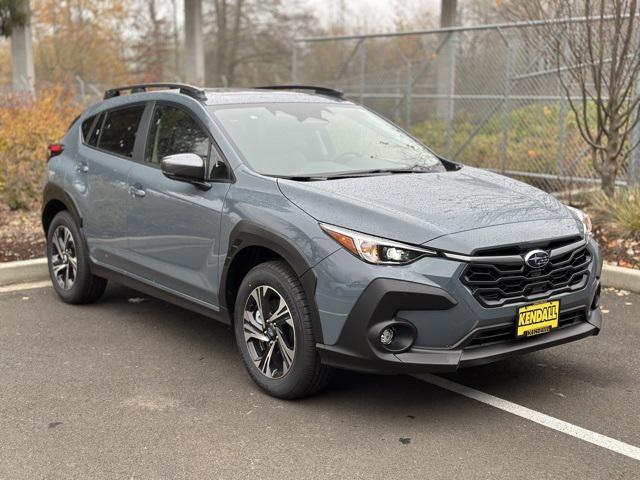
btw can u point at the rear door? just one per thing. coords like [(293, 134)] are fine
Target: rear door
[(173, 227), (102, 166)]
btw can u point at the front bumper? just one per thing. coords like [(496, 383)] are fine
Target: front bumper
[(450, 327), (420, 360)]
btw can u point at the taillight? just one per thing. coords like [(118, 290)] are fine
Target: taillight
[(55, 149)]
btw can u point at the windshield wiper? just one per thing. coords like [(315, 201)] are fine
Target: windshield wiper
[(417, 168)]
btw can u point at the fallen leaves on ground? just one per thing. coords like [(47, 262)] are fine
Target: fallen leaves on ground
[(624, 252), (21, 236)]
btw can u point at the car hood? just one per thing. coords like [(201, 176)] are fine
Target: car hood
[(420, 207)]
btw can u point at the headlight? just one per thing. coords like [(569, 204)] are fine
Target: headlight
[(584, 218), (373, 249)]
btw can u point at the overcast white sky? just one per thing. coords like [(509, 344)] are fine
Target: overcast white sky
[(377, 13)]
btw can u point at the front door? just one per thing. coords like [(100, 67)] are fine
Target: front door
[(173, 227)]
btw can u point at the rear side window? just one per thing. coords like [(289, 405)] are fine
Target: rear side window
[(86, 127), (95, 132), (119, 130)]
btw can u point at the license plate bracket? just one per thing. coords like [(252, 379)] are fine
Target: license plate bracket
[(537, 318)]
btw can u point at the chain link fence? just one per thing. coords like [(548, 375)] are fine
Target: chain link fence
[(84, 92), (487, 96)]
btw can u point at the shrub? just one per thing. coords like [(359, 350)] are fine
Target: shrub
[(532, 144), (619, 214), (27, 126)]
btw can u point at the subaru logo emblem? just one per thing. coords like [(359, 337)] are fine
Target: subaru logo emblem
[(536, 259)]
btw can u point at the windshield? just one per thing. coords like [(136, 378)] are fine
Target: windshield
[(307, 139)]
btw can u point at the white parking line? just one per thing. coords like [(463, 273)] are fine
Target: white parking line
[(540, 418), (25, 286)]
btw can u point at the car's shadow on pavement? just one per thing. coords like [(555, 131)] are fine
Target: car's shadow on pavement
[(515, 374)]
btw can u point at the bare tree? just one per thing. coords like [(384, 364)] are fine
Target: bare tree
[(151, 51), (228, 21), (252, 40), (598, 66)]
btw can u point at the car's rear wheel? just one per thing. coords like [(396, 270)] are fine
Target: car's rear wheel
[(274, 333), (69, 265)]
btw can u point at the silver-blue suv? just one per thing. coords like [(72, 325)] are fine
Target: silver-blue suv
[(325, 235)]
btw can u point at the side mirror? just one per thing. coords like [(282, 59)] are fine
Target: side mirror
[(185, 167)]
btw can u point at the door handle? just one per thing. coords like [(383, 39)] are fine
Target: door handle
[(137, 191), (82, 168)]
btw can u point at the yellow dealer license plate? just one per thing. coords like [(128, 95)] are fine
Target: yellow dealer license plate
[(537, 319)]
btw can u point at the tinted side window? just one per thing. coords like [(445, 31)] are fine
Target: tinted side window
[(174, 131), (86, 127), (120, 129), (95, 134)]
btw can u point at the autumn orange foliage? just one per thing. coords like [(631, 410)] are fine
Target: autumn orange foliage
[(27, 126)]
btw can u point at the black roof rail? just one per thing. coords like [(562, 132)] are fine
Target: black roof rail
[(331, 92), (190, 90)]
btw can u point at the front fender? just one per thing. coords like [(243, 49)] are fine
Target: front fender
[(247, 234)]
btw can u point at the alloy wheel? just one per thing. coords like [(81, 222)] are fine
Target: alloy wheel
[(269, 332), (64, 259)]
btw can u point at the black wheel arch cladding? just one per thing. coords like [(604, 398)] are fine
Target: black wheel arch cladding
[(53, 198), (245, 235)]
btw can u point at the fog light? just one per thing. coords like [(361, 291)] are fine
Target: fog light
[(386, 337)]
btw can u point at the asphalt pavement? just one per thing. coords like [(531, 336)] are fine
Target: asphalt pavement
[(134, 388)]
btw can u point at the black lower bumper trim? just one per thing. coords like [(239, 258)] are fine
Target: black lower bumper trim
[(494, 353), (421, 360)]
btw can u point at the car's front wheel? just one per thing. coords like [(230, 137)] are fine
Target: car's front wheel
[(69, 265), (274, 333)]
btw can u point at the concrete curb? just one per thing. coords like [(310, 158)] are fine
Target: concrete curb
[(36, 270), (620, 277), (24, 271)]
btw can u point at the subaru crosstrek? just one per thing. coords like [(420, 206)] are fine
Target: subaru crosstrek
[(325, 235)]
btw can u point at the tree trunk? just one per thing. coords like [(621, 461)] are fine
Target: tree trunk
[(609, 163), (23, 71), (221, 43), (194, 44), (608, 176), (235, 42), (155, 70)]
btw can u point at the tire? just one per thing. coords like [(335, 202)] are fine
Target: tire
[(305, 375), (80, 286)]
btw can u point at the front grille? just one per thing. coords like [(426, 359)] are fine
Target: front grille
[(506, 333), (497, 284)]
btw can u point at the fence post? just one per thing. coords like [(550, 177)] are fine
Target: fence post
[(363, 57), (561, 128), (397, 94), (451, 91), (294, 62), (505, 104), (633, 174), (409, 93)]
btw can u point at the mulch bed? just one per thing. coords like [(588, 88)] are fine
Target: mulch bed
[(623, 252), (21, 238), (21, 235)]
